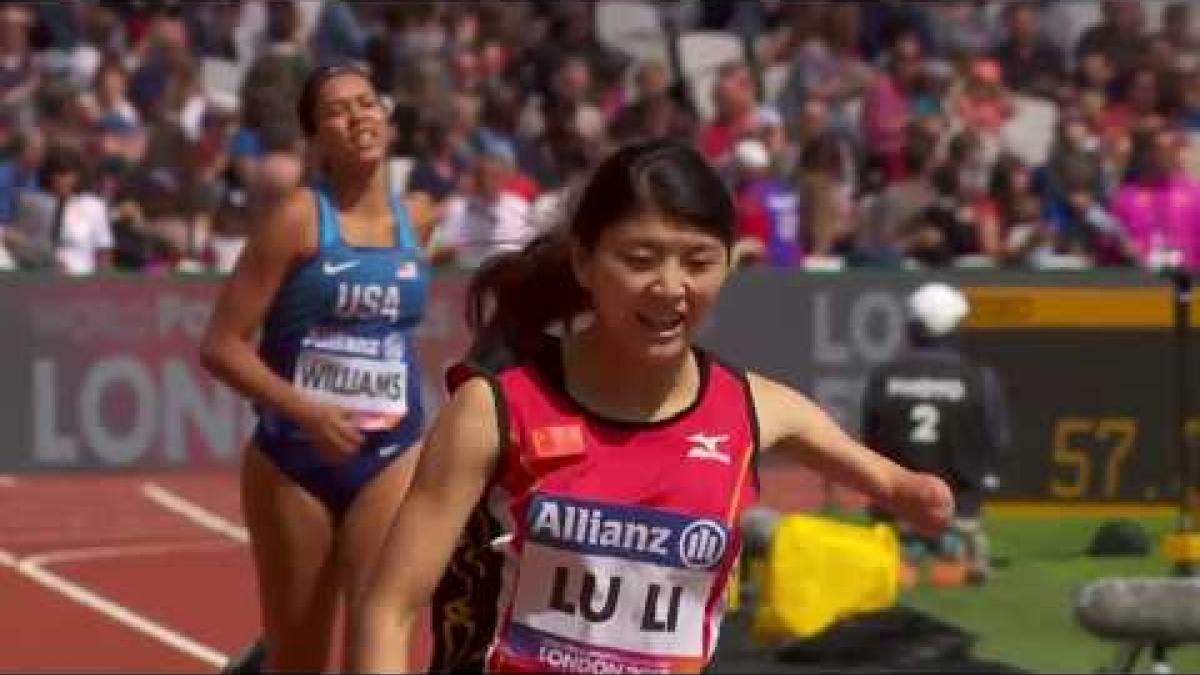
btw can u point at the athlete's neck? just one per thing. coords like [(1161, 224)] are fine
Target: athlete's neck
[(360, 190), (612, 384)]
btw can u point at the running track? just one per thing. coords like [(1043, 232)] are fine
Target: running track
[(151, 573)]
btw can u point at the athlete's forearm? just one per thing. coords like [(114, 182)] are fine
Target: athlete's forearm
[(235, 362), (832, 452)]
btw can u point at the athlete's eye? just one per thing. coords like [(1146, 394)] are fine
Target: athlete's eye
[(639, 259)]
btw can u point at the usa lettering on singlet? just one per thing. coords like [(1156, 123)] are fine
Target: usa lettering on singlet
[(368, 375), (607, 588)]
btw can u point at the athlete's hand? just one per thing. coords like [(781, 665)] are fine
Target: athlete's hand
[(922, 500), (333, 431)]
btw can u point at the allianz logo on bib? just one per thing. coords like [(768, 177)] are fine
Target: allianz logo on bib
[(633, 533)]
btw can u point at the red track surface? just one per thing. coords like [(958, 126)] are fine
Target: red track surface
[(96, 576)]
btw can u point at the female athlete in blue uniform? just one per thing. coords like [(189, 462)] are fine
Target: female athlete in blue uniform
[(336, 281)]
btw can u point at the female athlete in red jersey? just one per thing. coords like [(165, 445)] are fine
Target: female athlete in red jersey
[(576, 505)]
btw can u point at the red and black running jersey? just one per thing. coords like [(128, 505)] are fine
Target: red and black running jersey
[(599, 545)]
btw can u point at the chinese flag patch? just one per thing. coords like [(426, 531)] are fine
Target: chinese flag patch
[(557, 441)]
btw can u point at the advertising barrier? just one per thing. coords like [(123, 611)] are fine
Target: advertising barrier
[(103, 374)]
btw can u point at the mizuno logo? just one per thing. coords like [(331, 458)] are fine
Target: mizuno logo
[(707, 447), (337, 268)]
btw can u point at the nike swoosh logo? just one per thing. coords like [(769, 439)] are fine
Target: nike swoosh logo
[(337, 268)]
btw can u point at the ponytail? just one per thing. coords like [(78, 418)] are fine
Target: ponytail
[(514, 296)]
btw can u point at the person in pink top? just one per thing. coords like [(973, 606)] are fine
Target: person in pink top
[(1159, 205), (890, 106)]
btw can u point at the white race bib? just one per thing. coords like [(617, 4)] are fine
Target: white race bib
[(366, 375), (610, 589)]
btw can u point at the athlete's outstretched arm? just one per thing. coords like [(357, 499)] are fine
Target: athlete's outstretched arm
[(458, 457), (789, 421), (227, 349)]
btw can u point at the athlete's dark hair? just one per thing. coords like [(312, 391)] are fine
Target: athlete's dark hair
[(306, 103), (513, 297)]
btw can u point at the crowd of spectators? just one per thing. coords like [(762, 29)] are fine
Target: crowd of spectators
[(150, 137)]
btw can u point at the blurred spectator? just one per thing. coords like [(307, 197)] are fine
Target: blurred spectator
[(881, 239), (570, 95), (1159, 206), (487, 218), (19, 73), (212, 27), (815, 120), (1179, 35), (1011, 200), (1139, 100), (1120, 35), (165, 62), (1030, 63), (655, 111), (570, 32), (945, 229), (768, 225), (338, 34), (554, 157), (80, 234), (900, 95), (1084, 228), (829, 214), (1075, 163), (738, 113), (1029, 240), (1095, 75), (20, 171), (982, 105), (963, 29), (110, 95), (440, 163), (884, 21), (821, 45)]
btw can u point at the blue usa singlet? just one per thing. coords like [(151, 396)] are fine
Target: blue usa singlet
[(340, 329)]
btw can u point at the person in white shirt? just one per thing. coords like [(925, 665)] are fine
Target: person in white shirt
[(82, 235), (487, 218)]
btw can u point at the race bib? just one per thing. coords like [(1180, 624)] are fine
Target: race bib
[(368, 375), (610, 589)]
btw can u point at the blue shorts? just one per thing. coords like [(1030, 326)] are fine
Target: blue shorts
[(337, 485)]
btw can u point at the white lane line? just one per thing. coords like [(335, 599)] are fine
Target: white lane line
[(34, 568), (125, 550), (194, 512), (7, 481)]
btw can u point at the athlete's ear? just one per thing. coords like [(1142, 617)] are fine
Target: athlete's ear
[(581, 264)]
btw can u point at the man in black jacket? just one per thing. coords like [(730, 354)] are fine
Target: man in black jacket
[(932, 409)]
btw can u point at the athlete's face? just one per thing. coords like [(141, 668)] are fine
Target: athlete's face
[(351, 120), (652, 282)]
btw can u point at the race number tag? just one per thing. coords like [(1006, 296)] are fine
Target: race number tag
[(368, 375), (610, 589)]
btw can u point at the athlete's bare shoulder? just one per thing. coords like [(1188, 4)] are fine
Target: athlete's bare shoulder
[(288, 230)]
